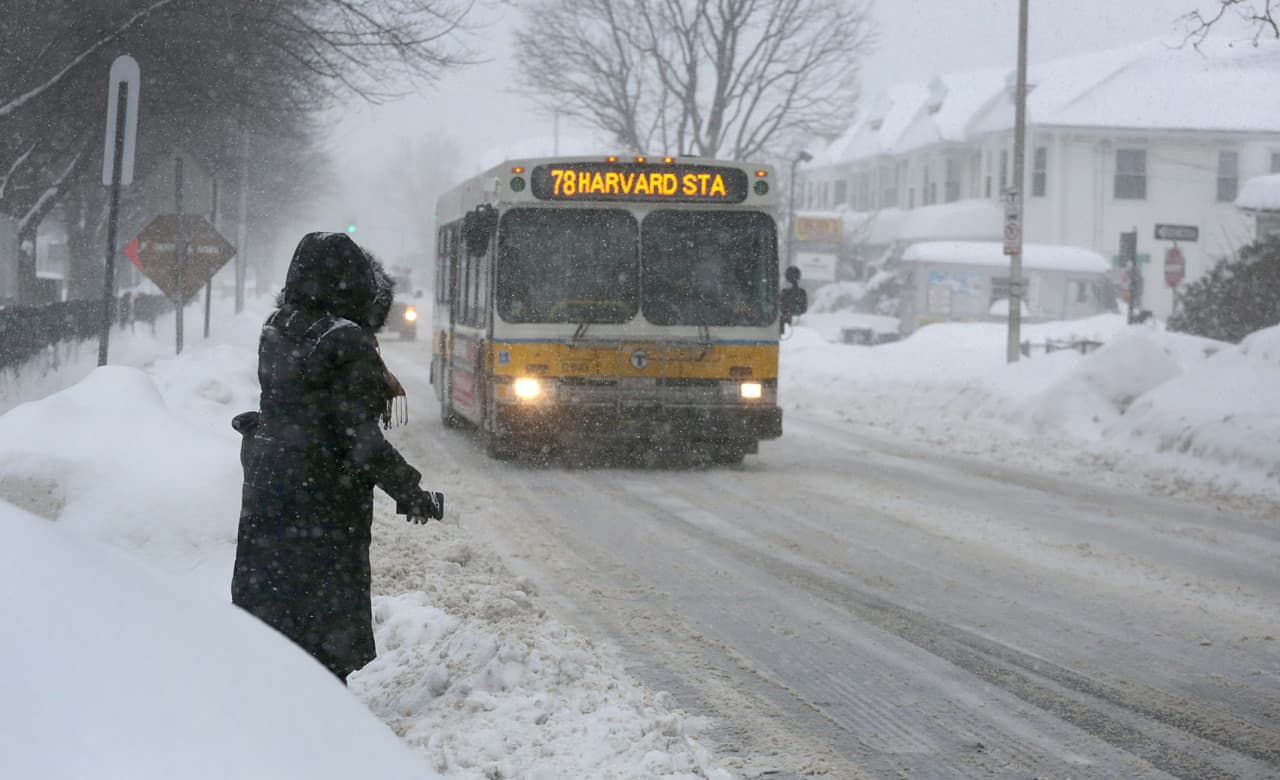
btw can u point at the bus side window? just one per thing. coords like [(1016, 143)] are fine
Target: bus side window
[(469, 281), (442, 262)]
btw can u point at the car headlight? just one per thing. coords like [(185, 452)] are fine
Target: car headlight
[(751, 390), (528, 388), (410, 314)]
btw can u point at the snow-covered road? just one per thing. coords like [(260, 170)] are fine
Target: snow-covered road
[(854, 605)]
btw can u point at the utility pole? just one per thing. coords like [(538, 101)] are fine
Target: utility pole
[(803, 156), (1014, 204), (242, 230)]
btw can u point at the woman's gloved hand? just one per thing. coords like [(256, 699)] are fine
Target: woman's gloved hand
[(429, 505)]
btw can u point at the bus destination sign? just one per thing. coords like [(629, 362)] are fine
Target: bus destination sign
[(639, 182)]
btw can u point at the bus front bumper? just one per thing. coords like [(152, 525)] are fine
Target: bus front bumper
[(639, 421)]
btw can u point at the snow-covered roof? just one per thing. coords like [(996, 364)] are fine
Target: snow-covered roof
[(877, 129), (1261, 193), (963, 219), (1145, 85), (1046, 257), (873, 228), (1152, 86), (955, 99)]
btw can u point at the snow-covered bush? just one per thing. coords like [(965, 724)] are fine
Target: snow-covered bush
[(1237, 297)]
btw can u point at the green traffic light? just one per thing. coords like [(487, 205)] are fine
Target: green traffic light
[(351, 228)]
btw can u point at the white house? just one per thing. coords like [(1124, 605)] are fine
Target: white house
[(1117, 140)]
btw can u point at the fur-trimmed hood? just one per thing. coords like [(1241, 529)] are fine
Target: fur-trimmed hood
[(330, 272)]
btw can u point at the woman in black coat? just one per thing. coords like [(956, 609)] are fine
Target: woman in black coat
[(313, 455)]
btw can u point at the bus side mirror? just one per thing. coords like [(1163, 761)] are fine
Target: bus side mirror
[(477, 228)]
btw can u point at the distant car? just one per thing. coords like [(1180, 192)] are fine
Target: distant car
[(405, 311)]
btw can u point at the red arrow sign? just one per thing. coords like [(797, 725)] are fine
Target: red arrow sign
[(1175, 267), (131, 252)]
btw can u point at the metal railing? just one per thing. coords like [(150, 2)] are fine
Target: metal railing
[(26, 331)]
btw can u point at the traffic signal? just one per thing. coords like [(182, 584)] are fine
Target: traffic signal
[(351, 227)]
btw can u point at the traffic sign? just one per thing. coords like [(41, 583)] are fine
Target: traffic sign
[(124, 73), (1012, 222), (1175, 267), (131, 252), (206, 252), (1177, 233)]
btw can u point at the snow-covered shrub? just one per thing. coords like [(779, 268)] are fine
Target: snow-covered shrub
[(1237, 297)]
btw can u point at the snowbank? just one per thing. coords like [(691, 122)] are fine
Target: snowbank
[(1179, 411), (110, 672), (135, 651)]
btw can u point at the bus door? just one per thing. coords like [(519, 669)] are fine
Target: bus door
[(447, 301)]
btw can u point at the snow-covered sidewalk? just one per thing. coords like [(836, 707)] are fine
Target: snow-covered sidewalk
[(141, 465), (1174, 413)]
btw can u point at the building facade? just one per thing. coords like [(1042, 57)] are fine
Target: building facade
[(1118, 140)]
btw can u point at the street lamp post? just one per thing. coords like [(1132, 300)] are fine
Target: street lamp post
[(803, 156)]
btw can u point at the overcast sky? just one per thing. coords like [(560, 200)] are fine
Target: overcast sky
[(917, 39)]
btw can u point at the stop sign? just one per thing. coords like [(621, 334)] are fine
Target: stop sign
[(1175, 267)]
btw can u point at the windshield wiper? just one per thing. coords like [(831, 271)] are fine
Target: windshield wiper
[(579, 332)]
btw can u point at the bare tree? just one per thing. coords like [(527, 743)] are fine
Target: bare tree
[(1260, 17), (415, 176), (735, 78), (209, 71)]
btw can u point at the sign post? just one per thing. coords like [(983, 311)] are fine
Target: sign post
[(1129, 260), (180, 252), (117, 171)]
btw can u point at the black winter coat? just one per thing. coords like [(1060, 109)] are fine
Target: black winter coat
[(311, 458)]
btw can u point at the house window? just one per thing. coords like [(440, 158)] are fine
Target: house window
[(888, 187), (841, 192), (1004, 169), (1275, 162), (951, 190), (926, 187), (911, 197), (1131, 174), (1039, 172), (1228, 175)]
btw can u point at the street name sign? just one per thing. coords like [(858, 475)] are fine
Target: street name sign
[(1177, 233)]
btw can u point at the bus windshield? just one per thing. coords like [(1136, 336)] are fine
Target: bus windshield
[(709, 268), (567, 265)]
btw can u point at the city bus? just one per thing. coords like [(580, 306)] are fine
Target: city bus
[(608, 302)]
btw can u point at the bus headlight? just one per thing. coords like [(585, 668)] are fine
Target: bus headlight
[(528, 388), (410, 314), (750, 390)]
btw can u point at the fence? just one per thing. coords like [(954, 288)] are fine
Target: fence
[(26, 331), (1083, 346)]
